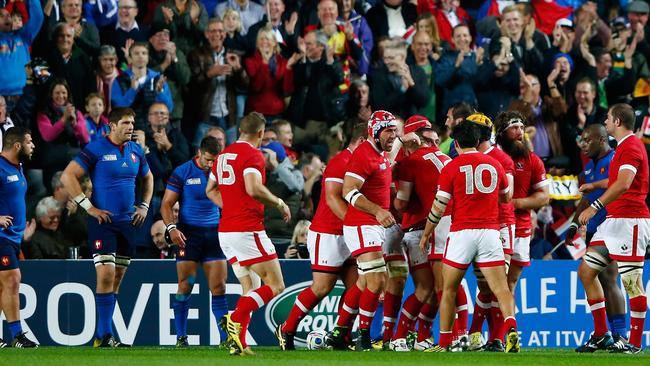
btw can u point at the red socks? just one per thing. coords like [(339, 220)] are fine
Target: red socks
[(425, 320), (350, 307), (460, 325), (481, 311), (367, 306), (246, 305), (600, 316), (408, 315), (391, 309), (638, 307), (497, 330), (305, 301)]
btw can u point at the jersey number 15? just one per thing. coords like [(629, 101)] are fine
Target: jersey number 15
[(474, 178), (225, 172)]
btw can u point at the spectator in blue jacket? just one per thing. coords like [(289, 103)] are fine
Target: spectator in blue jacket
[(14, 50), (139, 87), (456, 70)]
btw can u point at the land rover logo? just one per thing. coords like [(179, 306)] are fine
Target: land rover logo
[(323, 316)]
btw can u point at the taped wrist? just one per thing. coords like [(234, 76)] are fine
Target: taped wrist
[(353, 196), (597, 205), (433, 217), (83, 201)]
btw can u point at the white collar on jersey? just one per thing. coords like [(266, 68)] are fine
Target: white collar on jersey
[(244, 142), (489, 149), (625, 138)]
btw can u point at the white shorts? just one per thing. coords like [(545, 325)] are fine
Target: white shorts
[(364, 238), (440, 235), (392, 247), (626, 239), (521, 252), (327, 252), (247, 248), (416, 257), (480, 246), (507, 235)]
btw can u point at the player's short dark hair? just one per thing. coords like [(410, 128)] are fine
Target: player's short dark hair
[(13, 135), (210, 144), (252, 123), (597, 130), (119, 113), (466, 134), (484, 133), (624, 113), (462, 110), (358, 130)]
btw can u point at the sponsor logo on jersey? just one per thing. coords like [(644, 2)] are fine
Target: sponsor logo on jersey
[(12, 178), (134, 158), (519, 165), (5, 260), (323, 316), (125, 165), (382, 166), (193, 181), (109, 157)]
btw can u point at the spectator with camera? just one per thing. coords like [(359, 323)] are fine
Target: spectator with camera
[(298, 247), (139, 87), (168, 60)]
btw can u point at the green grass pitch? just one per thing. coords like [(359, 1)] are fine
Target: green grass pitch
[(197, 356)]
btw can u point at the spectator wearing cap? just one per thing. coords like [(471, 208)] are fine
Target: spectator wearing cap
[(456, 70), (637, 13), (497, 79), (249, 11), (168, 60), (70, 62), (187, 21), (564, 36), (285, 181), (86, 35), (284, 25), (395, 86), (106, 73), (15, 50), (125, 29)]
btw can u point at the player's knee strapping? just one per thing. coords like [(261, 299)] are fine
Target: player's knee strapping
[(104, 259), (122, 261), (597, 260), (631, 273), (507, 264), (240, 271), (397, 268), (377, 265)]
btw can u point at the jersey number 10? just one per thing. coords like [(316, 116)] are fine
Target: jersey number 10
[(474, 178), (225, 172)]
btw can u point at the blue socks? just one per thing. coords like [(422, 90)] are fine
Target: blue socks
[(105, 304), (181, 310), (219, 309), (618, 325), (15, 328)]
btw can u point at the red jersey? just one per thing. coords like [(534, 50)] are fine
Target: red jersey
[(325, 221), (506, 210), (420, 171), (630, 155), (372, 167), (530, 176), (240, 212), (474, 180)]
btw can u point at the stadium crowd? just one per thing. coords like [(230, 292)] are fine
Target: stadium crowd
[(313, 69)]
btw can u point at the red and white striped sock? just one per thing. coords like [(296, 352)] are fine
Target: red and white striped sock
[(350, 307), (408, 316), (251, 302), (392, 303), (425, 320), (367, 307), (460, 325), (597, 307), (481, 311), (305, 301), (638, 307)]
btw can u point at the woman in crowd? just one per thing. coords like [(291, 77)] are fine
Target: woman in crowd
[(106, 73)]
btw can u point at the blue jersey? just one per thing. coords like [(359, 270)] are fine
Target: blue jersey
[(13, 187), (113, 171), (196, 209), (96, 131), (593, 173)]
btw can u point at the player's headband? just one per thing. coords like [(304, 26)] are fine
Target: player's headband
[(511, 123)]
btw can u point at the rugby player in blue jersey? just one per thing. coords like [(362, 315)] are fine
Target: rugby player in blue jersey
[(595, 146), (114, 164), (17, 146), (196, 235)]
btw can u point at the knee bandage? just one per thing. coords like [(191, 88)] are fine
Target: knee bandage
[(631, 273), (104, 259), (397, 268), (596, 260), (240, 271), (372, 266), (122, 261)]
